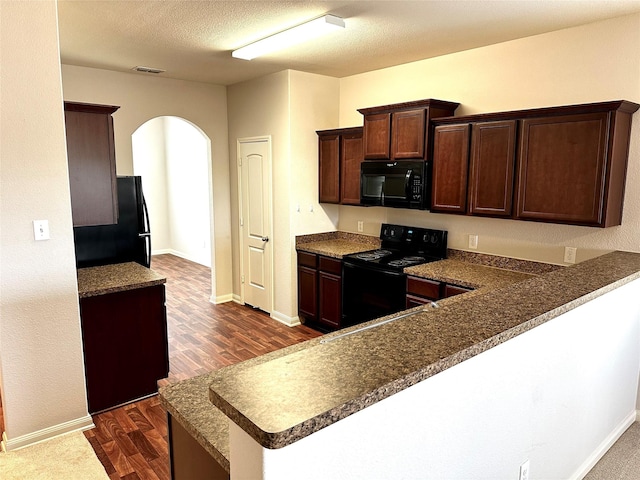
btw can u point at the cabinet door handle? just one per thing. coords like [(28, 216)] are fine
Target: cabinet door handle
[(265, 239)]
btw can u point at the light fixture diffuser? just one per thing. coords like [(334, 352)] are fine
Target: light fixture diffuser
[(292, 36)]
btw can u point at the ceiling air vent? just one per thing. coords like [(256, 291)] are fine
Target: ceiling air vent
[(148, 70)]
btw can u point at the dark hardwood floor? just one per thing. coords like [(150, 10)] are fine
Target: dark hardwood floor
[(131, 441)]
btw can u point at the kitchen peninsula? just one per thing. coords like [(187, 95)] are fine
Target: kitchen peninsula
[(544, 369)]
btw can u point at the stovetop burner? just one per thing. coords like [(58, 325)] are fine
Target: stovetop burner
[(408, 261), (372, 254), (403, 247)]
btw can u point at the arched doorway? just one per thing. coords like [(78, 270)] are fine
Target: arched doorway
[(173, 158)]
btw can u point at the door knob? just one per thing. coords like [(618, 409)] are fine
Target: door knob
[(265, 239)]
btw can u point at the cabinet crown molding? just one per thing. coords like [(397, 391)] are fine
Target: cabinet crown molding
[(90, 108), (615, 105), (396, 107)]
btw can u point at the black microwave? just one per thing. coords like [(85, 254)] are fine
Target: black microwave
[(401, 184)]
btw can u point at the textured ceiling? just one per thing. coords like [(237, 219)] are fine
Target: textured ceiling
[(192, 40)]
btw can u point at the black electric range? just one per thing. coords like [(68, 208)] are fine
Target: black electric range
[(373, 282), (402, 247)]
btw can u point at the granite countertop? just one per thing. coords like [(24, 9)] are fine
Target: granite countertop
[(336, 244), (468, 275), (287, 395), (188, 402), (93, 281)]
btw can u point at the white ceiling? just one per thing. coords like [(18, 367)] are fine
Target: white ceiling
[(192, 40)]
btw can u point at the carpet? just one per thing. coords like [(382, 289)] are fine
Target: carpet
[(68, 457), (622, 461)]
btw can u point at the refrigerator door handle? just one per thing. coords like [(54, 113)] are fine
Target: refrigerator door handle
[(146, 234)]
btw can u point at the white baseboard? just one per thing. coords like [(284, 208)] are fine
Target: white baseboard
[(288, 321), (83, 423), (221, 299), (604, 447), (280, 317)]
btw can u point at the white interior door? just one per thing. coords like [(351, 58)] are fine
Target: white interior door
[(255, 222)]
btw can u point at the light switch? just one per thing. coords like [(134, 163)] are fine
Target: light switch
[(41, 229)]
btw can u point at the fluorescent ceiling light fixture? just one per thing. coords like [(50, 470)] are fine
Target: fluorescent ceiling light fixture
[(289, 37)]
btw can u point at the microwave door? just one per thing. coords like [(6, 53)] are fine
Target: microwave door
[(372, 189)]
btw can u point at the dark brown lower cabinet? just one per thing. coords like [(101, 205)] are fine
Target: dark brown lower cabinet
[(320, 290), (452, 290), (307, 286), (330, 291), (124, 337), (421, 291), (189, 460)]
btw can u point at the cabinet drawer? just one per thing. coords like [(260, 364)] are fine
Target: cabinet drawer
[(307, 259), (330, 265), (413, 301), (451, 290), (423, 287)]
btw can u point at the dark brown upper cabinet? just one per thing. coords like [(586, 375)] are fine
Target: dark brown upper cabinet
[(350, 160), (491, 169), (340, 156), (562, 174), (92, 163), (450, 168), (401, 130), (408, 134), (559, 164), (377, 136), (329, 166), (473, 168)]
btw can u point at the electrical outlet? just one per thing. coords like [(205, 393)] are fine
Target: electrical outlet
[(360, 225), (473, 241), (524, 471), (570, 254)]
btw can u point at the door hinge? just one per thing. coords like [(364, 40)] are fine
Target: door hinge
[(242, 279), (241, 222), (239, 161)]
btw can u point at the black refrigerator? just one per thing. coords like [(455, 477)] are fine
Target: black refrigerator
[(127, 241)]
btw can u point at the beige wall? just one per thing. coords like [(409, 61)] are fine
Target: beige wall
[(591, 63), (289, 106), (312, 106), (141, 98), (258, 108), (43, 389)]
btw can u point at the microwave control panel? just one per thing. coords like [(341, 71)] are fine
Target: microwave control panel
[(416, 188)]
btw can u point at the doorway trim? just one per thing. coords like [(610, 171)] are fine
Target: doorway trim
[(239, 142)]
